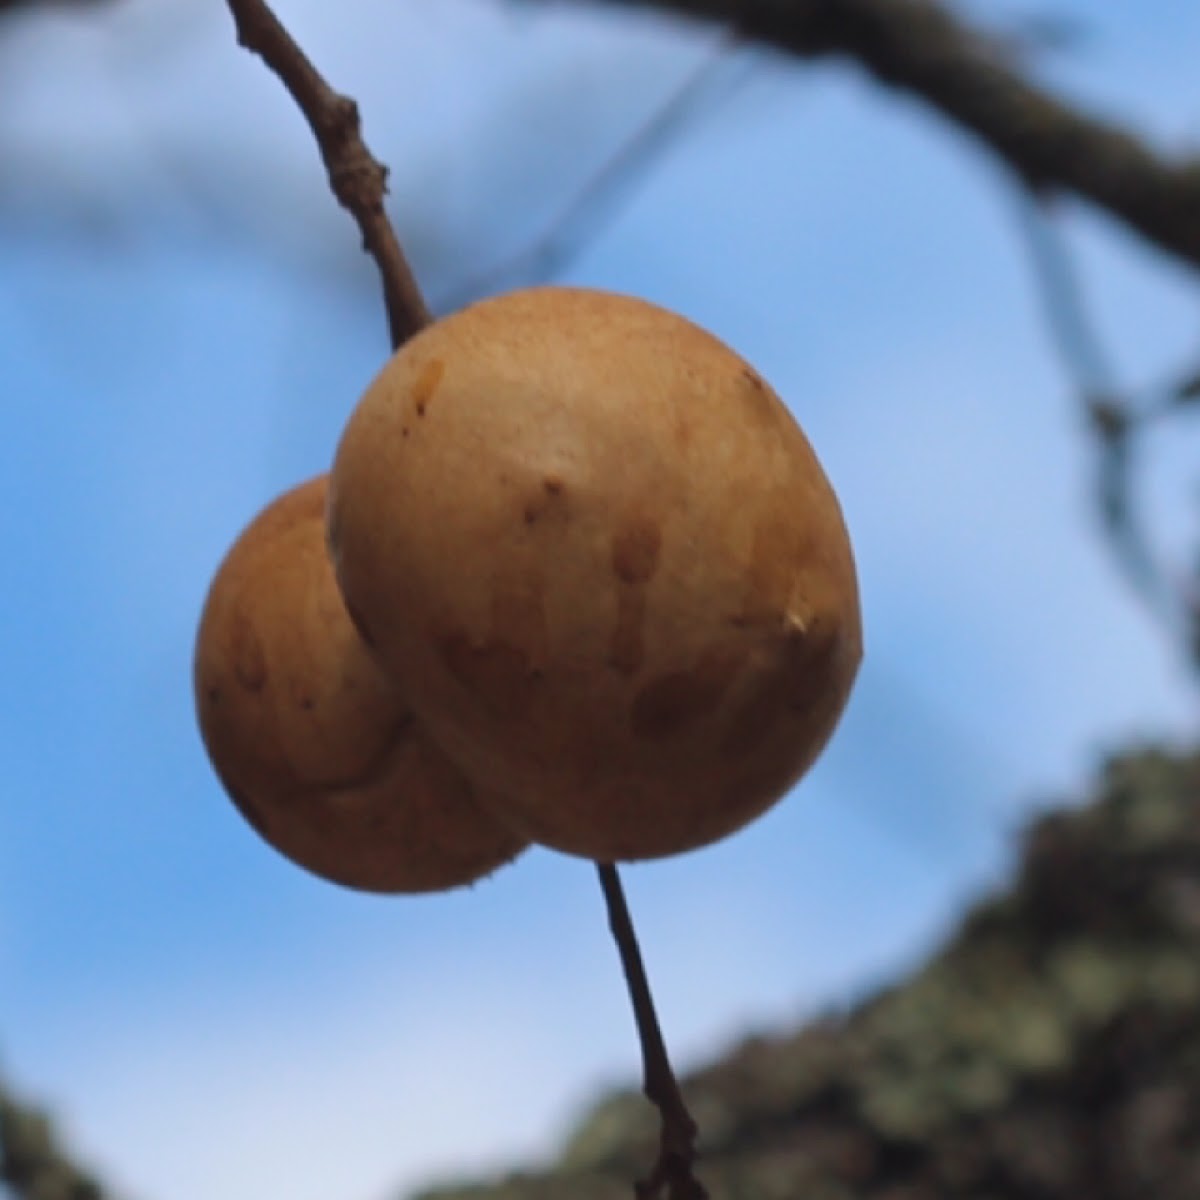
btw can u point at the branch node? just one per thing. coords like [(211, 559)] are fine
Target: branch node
[(357, 179)]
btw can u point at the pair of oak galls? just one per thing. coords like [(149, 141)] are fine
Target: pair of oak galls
[(576, 577)]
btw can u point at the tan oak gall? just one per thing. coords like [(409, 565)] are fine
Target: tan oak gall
[(605, 562), (312, 743)]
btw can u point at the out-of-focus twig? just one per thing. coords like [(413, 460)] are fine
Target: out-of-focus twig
[(923, 48), (1113, 416), (358, 179), (600, 196), (14, 6)]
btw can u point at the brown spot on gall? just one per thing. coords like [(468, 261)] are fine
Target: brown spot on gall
[(547, 499), (249, 662), (426, 384), (635, 550), (669, 704), (499, 675), (751, 723), (799, 683)]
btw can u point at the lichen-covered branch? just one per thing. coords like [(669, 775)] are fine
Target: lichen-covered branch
[(924, 49)]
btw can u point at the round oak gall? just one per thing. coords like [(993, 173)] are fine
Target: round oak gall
[(310, 740), (606, 564)]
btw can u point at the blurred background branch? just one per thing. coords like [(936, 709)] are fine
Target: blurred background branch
[(12, 6), (976, 80), (1113, 417), (923, 48), (602, 195)]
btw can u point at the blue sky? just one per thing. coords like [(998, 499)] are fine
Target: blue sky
[(186, 325)]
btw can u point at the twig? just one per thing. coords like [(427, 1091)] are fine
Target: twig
[(358, 182), (358, 179), (677, 1141), (599, 198), (921, 47), (1113, 418)]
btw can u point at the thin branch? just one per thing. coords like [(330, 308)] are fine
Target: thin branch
[(921, 47), (1079, 345), (600, 197), (677, 1141), (358, 179), (1112, 416)]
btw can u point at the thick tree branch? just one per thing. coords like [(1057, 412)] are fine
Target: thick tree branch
[(920, 47)]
